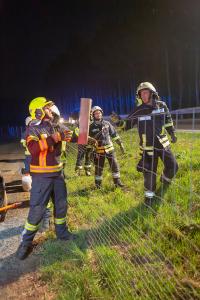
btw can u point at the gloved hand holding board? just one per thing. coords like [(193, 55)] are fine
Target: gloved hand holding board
[(84, 120)]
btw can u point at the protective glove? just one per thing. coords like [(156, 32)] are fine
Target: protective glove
[(92, 141), (173, 138), (56, 136), (62, 135)]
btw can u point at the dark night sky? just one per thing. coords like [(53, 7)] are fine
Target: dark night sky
[(60, 49)]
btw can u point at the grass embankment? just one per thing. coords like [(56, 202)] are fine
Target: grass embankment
[(126, 250)]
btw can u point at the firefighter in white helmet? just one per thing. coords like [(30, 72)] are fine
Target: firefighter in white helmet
[(104, 133), (154, 123)]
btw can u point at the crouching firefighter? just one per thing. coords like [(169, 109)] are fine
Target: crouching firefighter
[(103, 132), (154, 122), (44, 141)]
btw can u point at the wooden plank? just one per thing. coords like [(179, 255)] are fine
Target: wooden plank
[(84, 120)]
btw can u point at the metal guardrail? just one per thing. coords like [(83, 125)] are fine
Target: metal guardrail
[(186, 119), (178, 116)]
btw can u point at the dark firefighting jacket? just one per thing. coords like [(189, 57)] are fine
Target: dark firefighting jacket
[(153, 122), (45, 152), (104, 133)]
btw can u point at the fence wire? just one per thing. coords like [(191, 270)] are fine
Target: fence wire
[(141, 252)]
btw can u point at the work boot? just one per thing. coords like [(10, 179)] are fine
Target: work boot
[(117, 182), (98, 184), (23, 251)]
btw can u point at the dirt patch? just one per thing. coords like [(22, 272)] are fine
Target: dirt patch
[(27, 287)]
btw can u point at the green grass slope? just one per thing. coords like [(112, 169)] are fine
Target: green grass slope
[(124, 249)]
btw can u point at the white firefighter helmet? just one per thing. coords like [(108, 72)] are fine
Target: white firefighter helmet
[(95, 108), (26, 182), (56, 114), (55, 110), (146, 85)]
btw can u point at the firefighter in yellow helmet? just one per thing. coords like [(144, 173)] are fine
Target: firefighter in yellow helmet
[(44, 141), (154, 123)]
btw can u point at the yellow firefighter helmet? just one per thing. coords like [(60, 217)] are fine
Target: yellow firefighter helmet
[(36, 107)]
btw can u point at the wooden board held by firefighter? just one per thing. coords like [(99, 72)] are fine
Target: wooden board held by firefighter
[(84, 120)]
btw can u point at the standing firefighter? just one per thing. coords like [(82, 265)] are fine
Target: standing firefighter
[(84, 151), (154, 122), (44, 141), (27, 179), (104, 133)]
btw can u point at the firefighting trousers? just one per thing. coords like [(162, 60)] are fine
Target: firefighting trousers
[(99, 161), (42, 189), (84, 151), (148, 165)]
